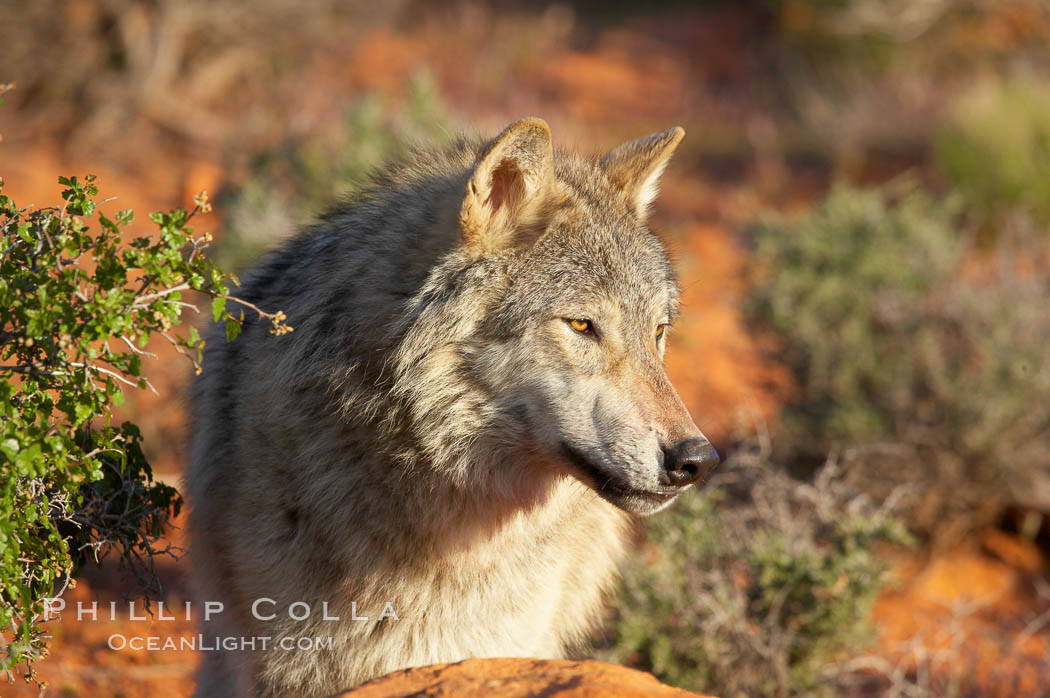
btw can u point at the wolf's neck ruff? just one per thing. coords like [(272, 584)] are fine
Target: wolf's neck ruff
[(407, 444)]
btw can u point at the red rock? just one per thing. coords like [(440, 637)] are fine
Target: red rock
[(518, 678)]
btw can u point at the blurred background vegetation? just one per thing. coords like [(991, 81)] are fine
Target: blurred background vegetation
[(861, 217)]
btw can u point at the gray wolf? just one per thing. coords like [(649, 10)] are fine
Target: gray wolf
[(471, 405)]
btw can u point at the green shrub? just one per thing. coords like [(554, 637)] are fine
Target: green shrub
[(77, 308), (996, 150), (755, 586), (928, 373)]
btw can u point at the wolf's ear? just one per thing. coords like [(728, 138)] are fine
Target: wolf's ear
[(636, 167), (512, 182)]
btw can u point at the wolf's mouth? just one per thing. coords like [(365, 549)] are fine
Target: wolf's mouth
[(608, 486)]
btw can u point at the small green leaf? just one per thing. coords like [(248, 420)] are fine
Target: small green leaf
[(233, 329), (218, 307), (9, 447)]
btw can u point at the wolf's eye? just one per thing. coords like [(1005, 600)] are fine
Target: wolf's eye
[(660, 331), (580, 325)]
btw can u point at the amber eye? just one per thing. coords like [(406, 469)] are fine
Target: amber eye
[(580, 325), (660, 331)]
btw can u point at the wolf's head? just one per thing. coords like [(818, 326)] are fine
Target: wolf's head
[(572, 351)]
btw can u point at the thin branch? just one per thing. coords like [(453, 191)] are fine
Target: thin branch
[(114, 374), (141, 352), (149, 297)]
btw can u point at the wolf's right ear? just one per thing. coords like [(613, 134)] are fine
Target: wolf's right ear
[(636, 167), (511, 185)]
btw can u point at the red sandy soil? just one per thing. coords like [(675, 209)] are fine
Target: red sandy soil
[(976, 615)]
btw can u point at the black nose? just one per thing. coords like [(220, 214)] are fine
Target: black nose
[(689, 461)]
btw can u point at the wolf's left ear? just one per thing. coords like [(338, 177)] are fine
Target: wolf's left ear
[(510, 187), (636, 167)]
